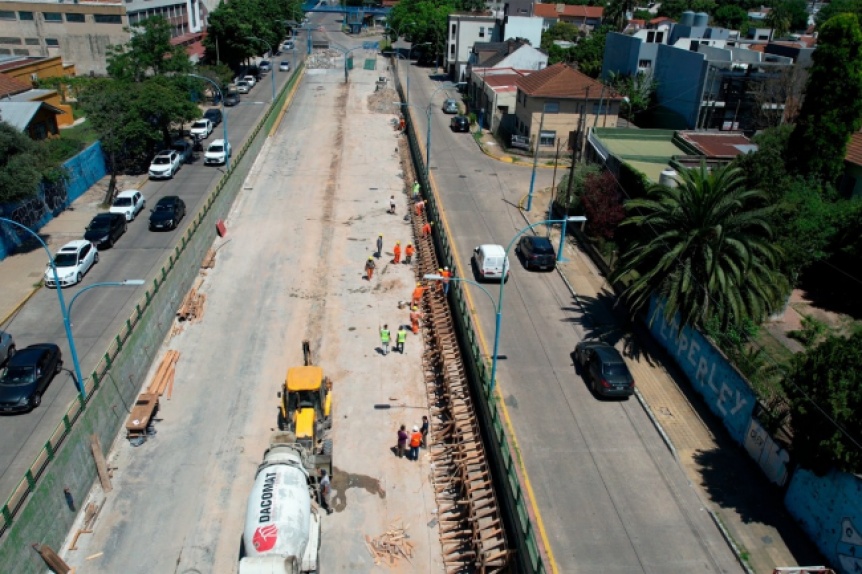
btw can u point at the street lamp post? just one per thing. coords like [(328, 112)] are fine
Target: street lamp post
[(223, 115), (545, 108), (124, 283), (272, 55)]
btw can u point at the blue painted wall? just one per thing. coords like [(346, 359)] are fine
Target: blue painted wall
[(680, 75), (725, 391), (621, 54), (83, 171), (829, 509)]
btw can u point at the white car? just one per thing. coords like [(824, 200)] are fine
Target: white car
[(217, 153), (250, 79), (165, 164), (243, 87), (201, 128), (129, 203), (284, 66), (287, 45), (72, 262)]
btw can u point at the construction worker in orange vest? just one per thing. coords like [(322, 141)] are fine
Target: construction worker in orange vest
[(415, 316), (426, 229), (369, 268), (415, 443), (397, 251), (417, 294), (408, 253), (446, 275), (440, 281), (420, 205)]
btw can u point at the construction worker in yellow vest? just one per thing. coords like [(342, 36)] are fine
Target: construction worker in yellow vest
[(401, 338), (385, 337)]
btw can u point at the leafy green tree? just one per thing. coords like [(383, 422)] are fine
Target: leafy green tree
[(562, 31), (731, 16), (787, 15), (424, 21), (164, 102), (603, 205), (704, 246), (23, 165), (615, 13), (639, 89), (832, 110), (590, 51), (835, 7), (642, 15), (149, 52), (764, 168), (825, 393)]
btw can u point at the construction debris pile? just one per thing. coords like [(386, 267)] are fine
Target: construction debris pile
[(192, 307), (383, 101), (323, 59), (390, 546)]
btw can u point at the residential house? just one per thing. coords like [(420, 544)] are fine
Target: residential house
[(551, 102), (36, 119), (586, 18), (21, 72), (463, 31), (493, 93), (522, 27), (851, 184)]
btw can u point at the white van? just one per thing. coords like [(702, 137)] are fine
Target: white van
[(488, 262)]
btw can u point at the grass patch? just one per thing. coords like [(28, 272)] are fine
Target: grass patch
[(773, 348), (71, 142)]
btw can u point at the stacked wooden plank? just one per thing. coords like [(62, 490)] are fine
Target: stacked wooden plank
[(209, 260), (192, 307), (390, 546), (164, 377)]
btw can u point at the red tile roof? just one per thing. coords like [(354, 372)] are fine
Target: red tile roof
[(854, 150), (660, 20), (18, 62), (10, 86), (717, 144), (562, 81), (566, 10)]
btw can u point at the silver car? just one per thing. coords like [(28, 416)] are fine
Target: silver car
[(7, 347), (450, 106)]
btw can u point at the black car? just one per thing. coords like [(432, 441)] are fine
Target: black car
[(536, 252), (460, 124), (231, 99), (167, 213), (105, 229), (185, 149), (27, 375), (213, 115), (605, 369)]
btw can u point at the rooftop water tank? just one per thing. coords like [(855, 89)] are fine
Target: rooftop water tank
[(668, 178), (687, 18), (701, 19)]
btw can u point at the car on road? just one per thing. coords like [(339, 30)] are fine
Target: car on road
[(168, 213), (217, 153), (27, 376), (7, 346), (450, 106), (165, 165), (72, 261), (129, 203), (232, 99), (265, 66), (460, 124), (214, 116), (488, 261), (243, 87), (201, 128), (536, 252), (604, 369), (287, 45), (284, 66), (105, 229), (185, 149), (251, 79)]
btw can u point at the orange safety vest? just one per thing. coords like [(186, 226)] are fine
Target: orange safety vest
[(416, 439), (397, 250), (417, 293), (409, 251)]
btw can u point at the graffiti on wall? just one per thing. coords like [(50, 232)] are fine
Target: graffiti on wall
[(767, 453), (725, 391), (850, 547)]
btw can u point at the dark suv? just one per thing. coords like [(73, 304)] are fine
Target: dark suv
[(536, 252), (605, 369), (213, 115), (27, 375), (460, 124)]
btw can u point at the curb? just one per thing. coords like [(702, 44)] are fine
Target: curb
[(19, 305), (510, 159)]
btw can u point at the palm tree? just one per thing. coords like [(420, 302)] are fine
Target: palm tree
[(704, 247)]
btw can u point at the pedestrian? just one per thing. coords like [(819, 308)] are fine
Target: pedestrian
[(369, 268), (379, 246), (408, 254), (415, 315), (446, 276), (417, 294), (426, 229), (424, 430), (402, 125), (392, 204), (397, 252), (384, 339), (415, 441), (401, 338), (416, 189), (325, 491), (402, 441), (419, 207), (70, 502)]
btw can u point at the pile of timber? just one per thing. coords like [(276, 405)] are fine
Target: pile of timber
[(192, 308), (209, 260), (90, 515), (164, 378), (390, 546)]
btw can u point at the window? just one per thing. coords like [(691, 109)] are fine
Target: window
[(26, 16), (659, 37), (52, 16), (645, 64), (52, 42), (10, 40), (551, 107), (31, 41), (454, 28), (5, 51), (7, 15), (18, 52), (108, 18), (650, 37), (481, 31), (74, 17), (547, 138), (452, 50)]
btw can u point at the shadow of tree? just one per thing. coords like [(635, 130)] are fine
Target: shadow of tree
[(828, 286)]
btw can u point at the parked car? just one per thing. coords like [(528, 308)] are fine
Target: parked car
[(459, 124), (72, 261), (243, 87), (284, 66), (165, 164), (232, 99), (27, 376), (450, 106), (217, 153), (168, 213), (214, 116), (201, 128), (604, 369), (105, 229), (287, 45), (185, 149), (251, 79), (488, 262), (536, 252), (129, 203), (7, 346), (265, 66)]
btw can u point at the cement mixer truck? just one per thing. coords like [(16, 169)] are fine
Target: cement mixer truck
[(282, 524)]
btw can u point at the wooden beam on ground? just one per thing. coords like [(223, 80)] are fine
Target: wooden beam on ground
[(101, 465), (54, 562)]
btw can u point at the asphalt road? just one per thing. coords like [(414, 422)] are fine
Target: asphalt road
[(611, 496), (99, 314)]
